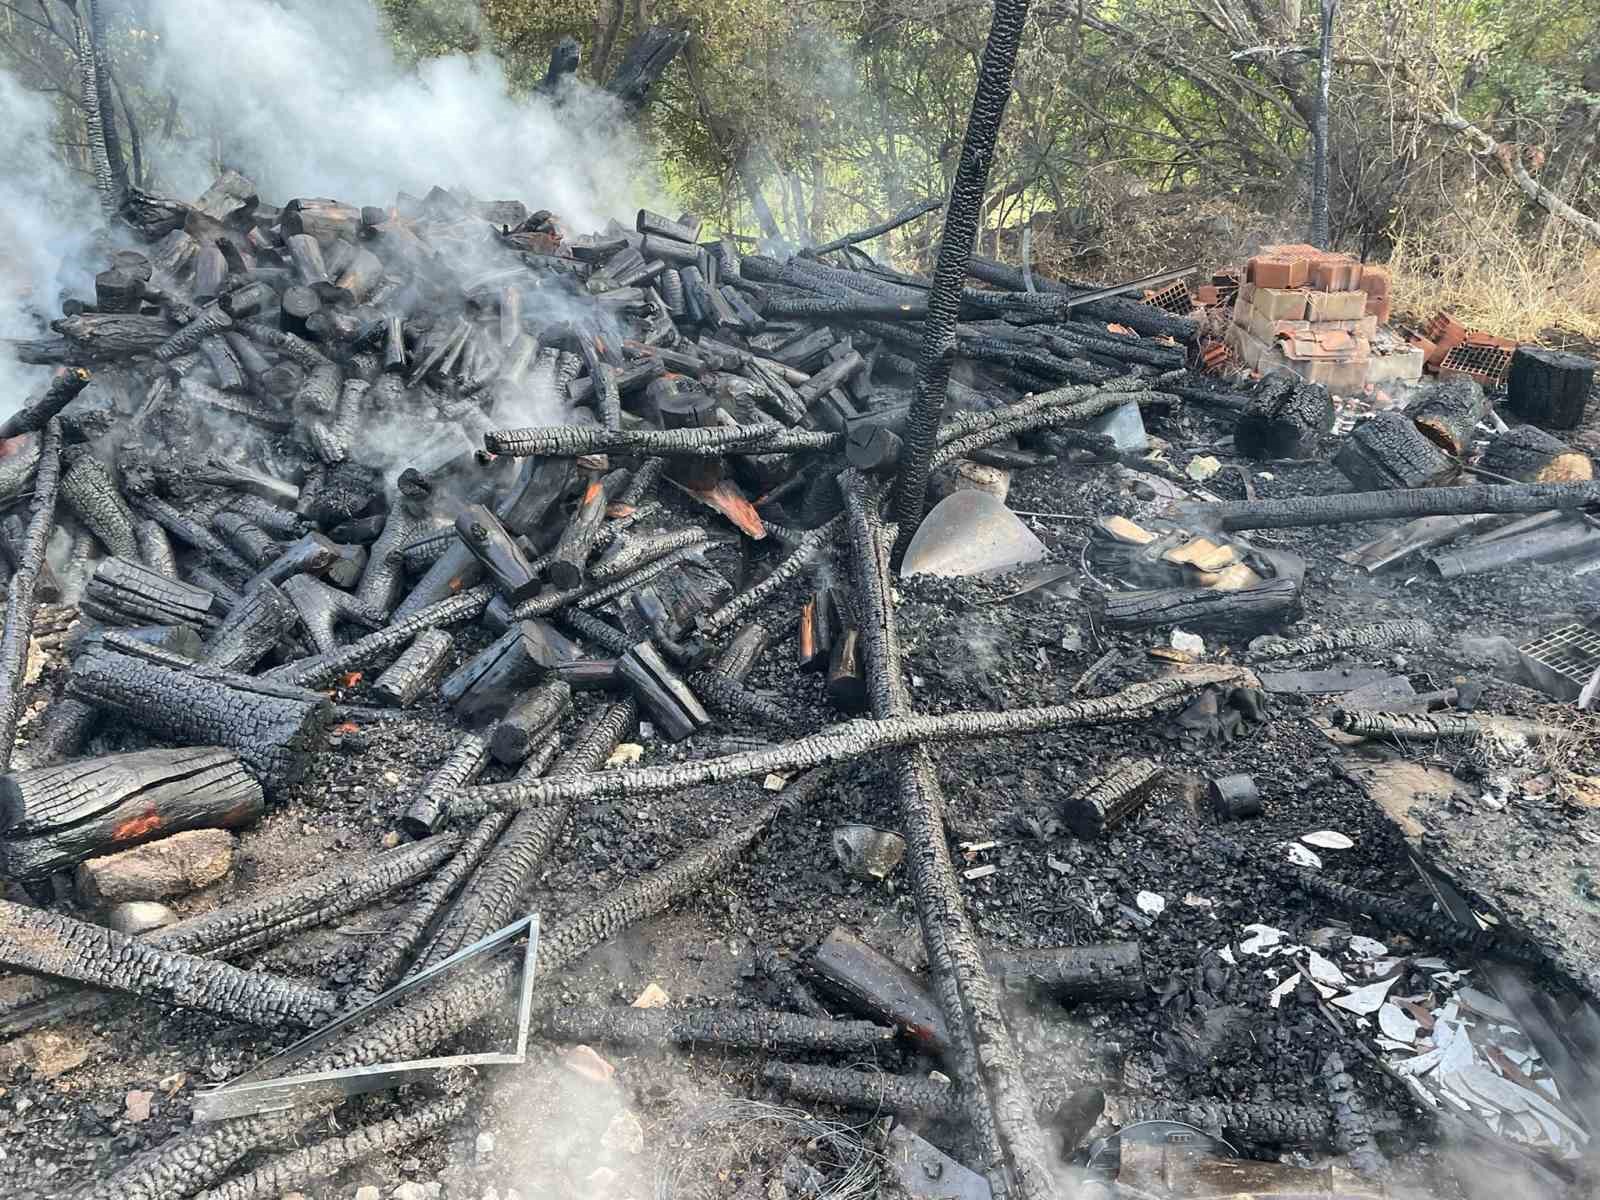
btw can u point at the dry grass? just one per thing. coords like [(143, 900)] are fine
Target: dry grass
[(1475, 262)]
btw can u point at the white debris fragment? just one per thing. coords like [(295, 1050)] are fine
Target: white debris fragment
[(1202, 467), (1396, 1024), (1301, 857), (1262, 939), (1365, 947), (1226, 955), (625, 754), (1151, 904), (1327, 839), (1283, 989), (1485, 1005), (1322, 970), (1191, 643), (982, 872), (1190, 900), (1421, 1064), (1366, 1000)]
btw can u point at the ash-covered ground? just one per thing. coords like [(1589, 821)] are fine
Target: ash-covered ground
[(1204, 1031)]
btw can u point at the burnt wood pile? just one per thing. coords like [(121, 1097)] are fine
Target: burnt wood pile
[(318, 457)]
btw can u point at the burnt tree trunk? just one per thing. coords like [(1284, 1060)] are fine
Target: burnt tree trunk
[(1448, 415), (1549, 387), (1285, 419), (1389, 451), (1529, 454), (54, 817)]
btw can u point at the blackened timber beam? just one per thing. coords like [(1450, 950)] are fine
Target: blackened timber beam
[(21, 600)]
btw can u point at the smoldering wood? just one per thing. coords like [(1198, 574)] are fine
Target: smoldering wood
[(1387, 450), (88, 489), (197, 392), (674, 708), (210, 320), (418, 668), (56, 816), (874, 985), (1111, 799), (253, 543), (253, 628), (489, 681), (568, 560), (492, 545), (312, 554), (112, 335), (1398, 504), (155, 549), (64, 387), (1247, 610)]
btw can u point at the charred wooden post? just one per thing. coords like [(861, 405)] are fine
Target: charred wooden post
[(1448, 414), (571, 554), (21, 601), (252, 629), (1071, 974), (672, 705), (799, 560), (820, 624), (417, 669), (577, 441), (725, 1028), (431, 807), (19, 461), (88, 489), (210, 320), (273, 728), (494, 547), (118, 291), (58, 947), (527, 721), (224, 363), (995, 1098), (380, 583), (112, 335), (455, 570), (192, 533), (864, 1091), (1550, 388), (332, 441), (1394, 505), (35, 414), (1530, 455), (1106, 802), (54, 817), (306, 256), (1434, 727), (313, 554), (846, 681), (628, 554), (1387, 450), (876, 986), (1247, 610), (254, 544), (1285, 418)]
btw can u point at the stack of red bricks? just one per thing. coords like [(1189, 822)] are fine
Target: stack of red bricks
[(1316, 314), (1450, 349)]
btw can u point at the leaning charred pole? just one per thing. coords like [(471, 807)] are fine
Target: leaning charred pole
[(955, 248), (995, 1096), (21, 600)]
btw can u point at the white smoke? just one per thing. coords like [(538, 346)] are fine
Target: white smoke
[(47, 216), (306, 97)]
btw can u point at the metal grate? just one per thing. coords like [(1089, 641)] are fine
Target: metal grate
[(1572, 651), (1487, 364)]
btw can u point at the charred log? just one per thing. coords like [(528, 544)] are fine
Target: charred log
[(728, 1029), (1530, 455), (431, 807), (416, 670), (1550, 388), (526, 722), (62, 389), (1448, 415), (272, 727), (1389, 451), (1106, 802), (1396, 505), (55, 946), (21, 601), (88, 489), (1285, 418), (252, 629), (1247, 610)]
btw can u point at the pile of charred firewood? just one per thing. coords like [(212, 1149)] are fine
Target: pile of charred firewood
[(301, 451)]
